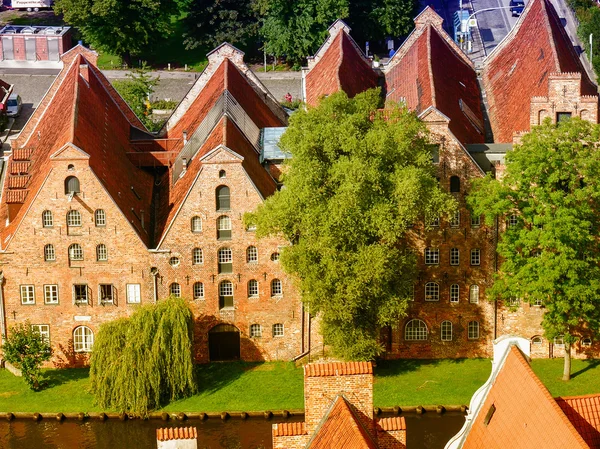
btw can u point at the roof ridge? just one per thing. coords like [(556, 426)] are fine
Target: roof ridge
[(341, 44), (75, 102), (548, 28)]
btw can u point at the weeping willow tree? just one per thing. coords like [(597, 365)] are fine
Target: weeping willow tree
[(141, 362)]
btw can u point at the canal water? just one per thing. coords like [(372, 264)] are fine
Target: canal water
[(428, 431)]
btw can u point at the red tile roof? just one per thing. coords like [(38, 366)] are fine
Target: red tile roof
[(518, 68), (337, 369), (289, 429), (341, 428), (341, 66), (584, 414), (393, 423), (430, 70), (526, 416), (176, 433)]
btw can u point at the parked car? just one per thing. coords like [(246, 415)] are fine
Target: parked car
[(14, 105), (516, 7)]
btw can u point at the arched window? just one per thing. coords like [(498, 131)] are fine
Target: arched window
[(75, 252), (198, 290), (454, 293), (253, 288), (252, 254), (223, 197), (175, 290), (101, 253), (276, 288), (223, 228), (225, 295), (222, 174), (71, 185), (446, 330), (47, 219), (432, 291), (196, 224), (536, 340), (275, 256), (586, 342), (100, 217), (415, 330), (73, 218), (225, 260), (473, 330), (83, 339), (255, 330), (454, 184), (559, 341), (278, 330), (197, 256), (49, 254), (474, 294)]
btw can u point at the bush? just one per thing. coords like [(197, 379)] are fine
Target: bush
[(164, 104), (141, 362), (27, 350)]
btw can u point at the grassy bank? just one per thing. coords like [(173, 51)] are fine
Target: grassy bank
[(279, 386)]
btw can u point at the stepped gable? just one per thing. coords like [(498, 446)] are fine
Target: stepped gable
[(518, 69), (429, 70), (338, 65), (340, 427), (520, 413), (81, 114), (584, 414), (226, 70)]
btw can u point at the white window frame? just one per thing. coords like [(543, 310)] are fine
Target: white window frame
[(101, 298), (49, 253), (197, 256), (473, 330), (27, 293), (512, 221), (537, 340), (134, 295), (559, 341), (51, 294), (416, 330), (75, 252), (432, 291), (446, 330), (475, 257), (196, 224), (198, 290), (223, 224), (83, 339), (474, 294), (43, 330), (276, 287), (100, 218), (255, 331), (101, 253), (435, 222), (253, 290), (586, 342), (454, 256), (275, 256), (47, 219), (278, 330), (174, 261), (454, 293), (475, 220), (432, 256), (252, 254), (74, 218), (175, 289)]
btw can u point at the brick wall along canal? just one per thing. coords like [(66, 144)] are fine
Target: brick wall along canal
[(428, 431)]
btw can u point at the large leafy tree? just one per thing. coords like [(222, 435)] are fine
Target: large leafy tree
[(552, 188), (296, 29), (212, 22), (355, 185), (121, 27), (136, 91)]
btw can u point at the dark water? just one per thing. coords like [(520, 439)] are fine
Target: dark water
[(428, 431)]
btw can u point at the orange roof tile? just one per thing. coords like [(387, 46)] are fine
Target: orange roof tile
[(584, 414), (393, 423), (340, 427), (176, 433), (526, 416), (342, 66), (518, 68), (337, 369), (289, 429)]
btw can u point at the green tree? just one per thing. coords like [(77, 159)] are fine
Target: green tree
[(589, 18), (212, 22), (135, 91), (296, 29), (552, 187), (355, 185), (27, 350), (121, 27), (141, 362), (375, 20)]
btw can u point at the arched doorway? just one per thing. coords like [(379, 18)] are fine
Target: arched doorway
[(224, 343)]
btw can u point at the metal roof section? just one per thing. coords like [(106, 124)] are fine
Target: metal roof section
[(269, 140), (33, 29), (488, 155)]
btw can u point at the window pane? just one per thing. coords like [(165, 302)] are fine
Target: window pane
[(100, 217), (253, 288), (106, 293), (474, 294), (473, 330), (278, 330), (49, 254), (51, 294), (255, 330), (252, 254), (80, 293), (475, 221), (225, 294), (432, 291), (475, 257), (133, 293), (175, 290), (47, 219), (415, 330), (454, 256), (432, 256), (196, 224), (454, 293), (223, 227), (197, 256), (27, 294), (83, 339), (455, 220), (223, 202), (225, 260), (446, 331), (276, 288), (73, 218), (75, 252), (43, 330), (101, 253), (198, 290)]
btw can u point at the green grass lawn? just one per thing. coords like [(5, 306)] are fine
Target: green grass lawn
[(278, 386)]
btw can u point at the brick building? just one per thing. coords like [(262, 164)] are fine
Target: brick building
[(473, 120), (338, 405), (34, 43)]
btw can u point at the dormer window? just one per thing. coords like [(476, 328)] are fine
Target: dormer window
[(71, 185)]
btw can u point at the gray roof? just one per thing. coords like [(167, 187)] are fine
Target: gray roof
[(270, 144), (488, 154)]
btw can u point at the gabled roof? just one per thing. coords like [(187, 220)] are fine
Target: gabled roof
[(430, 70), (518, 68), (340, 427), (83, 114), (338, 65), (518, 412), (584, 414)]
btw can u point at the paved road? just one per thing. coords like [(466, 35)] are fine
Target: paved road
[(493, 25)]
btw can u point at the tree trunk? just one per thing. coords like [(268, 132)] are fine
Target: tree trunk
[(567, 366)]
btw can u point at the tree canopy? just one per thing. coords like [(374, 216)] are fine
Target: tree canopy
[(135, 91), (121, 27), (139, 363), (355, 184), (551, 253)]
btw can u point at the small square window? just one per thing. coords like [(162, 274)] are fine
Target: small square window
[(432, 291), (255, 330), (43, 330), (50, 294), (133, 293), (27, 294), (432, 256), (278, 330)]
